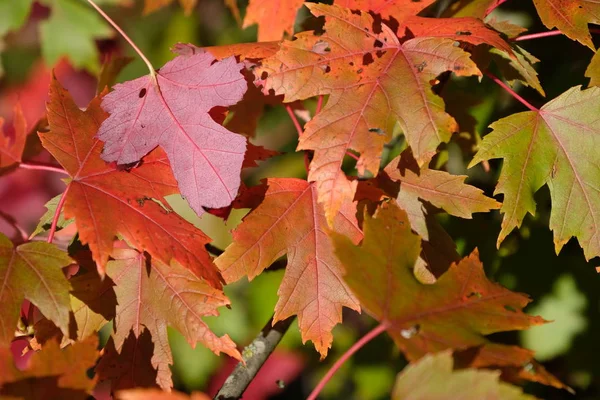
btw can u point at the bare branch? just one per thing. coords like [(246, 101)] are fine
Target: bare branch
[(255, 355)]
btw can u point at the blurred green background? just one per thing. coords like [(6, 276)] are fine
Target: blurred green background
[(564, 287)]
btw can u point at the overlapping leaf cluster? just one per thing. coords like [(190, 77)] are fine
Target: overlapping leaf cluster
[(365, 240)]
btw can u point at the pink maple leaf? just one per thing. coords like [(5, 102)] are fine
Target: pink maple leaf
[(171, 110)]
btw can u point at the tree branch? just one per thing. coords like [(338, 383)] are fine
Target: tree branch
[(255, 355)]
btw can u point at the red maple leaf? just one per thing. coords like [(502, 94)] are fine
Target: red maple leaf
[(11, 148), (106, 200), (171, 110)]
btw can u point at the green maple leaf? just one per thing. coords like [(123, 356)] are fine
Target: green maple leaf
[(433, 378), (555, 146), (13, 14), (71, 32), (32, 271)]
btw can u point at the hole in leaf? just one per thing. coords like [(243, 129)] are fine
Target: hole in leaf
[(368, 59), (510, 308), (321, 47), (474, 294), (378, 131)]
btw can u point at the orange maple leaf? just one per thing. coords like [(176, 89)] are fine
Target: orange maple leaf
[(374, 80), (106, 200), (274, 18), (291, 221)]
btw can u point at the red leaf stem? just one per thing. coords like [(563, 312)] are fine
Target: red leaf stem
[(59, 207), (338, 364), (43, 167), (512, 92)]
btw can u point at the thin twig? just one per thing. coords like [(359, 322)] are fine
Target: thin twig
[(13, 222), (511, 92), (255, 355), (59, 207), (118, 29), (43, 167), (338, 364)]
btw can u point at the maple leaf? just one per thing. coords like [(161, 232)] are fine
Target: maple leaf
[(13, 15), (433, 378), (155, 394), (571, 17), (71, 31), (373, 81), (32, 271), (517, 68), (398, 9), (506, 27), (51, 373), (466, 29), (245, 51), (274, 18), (152, 295), (555, 146), (454, 312), (171, 110), (132, 365), (290, 220), (11, 150), (106, 200), (516, 363), (93, 301), (443, 190), (593, 70)]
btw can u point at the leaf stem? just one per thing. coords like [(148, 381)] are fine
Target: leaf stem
[(297, 125), (43, 167), (355, 347), (512, 92), (255, 355), (12, 222), (352, 155), (127, 38), (319, 104), (545, 34), (494, 6), (59, 207)]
